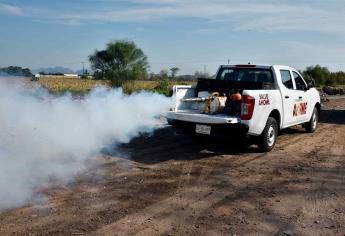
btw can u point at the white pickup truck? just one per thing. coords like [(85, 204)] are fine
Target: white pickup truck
[(248, 99)]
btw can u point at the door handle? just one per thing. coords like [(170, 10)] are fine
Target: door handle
[(287, 97), (300, 97)]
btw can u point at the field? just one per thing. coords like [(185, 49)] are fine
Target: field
[(60, 85), (170, 184)]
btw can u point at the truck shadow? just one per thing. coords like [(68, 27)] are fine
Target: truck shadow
[(171, 144), (333, 117)]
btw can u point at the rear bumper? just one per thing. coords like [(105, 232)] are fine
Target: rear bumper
[(216, 129), (220, 125)]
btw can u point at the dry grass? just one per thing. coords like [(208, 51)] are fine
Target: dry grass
[(61, 85), (73, 85), (155, 86), (137, 85)]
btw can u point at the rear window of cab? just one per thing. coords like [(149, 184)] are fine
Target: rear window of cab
[(255, 75)]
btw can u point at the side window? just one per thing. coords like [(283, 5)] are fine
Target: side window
[(300, 84), (286, 78)]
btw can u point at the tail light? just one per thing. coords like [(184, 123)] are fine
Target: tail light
[(247, 108)]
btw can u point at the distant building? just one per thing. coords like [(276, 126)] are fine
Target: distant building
[(58, 75), (71, 75)]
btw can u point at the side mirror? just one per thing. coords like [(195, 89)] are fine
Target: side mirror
[(311, 84)]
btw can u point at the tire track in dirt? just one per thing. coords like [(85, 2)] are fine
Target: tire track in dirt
[(184, 182), (289, 144), (322, 149), (167, 184)]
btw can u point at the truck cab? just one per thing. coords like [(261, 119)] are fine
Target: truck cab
[(256, 100)]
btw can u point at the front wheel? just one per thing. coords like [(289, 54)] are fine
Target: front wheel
[(312, 124), (268, 137)]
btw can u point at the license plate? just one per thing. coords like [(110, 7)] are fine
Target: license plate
[(203, 129)]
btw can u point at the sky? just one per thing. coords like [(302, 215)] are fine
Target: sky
[(194, 35)]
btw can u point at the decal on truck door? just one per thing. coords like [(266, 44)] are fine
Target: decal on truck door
[(300, 109), (264, 100)]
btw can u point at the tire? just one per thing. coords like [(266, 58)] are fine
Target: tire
[(268, 138), (171, 122), (311, 126)]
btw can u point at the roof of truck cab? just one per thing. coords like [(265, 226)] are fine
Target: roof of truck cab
[(260, 66), (247, 66)]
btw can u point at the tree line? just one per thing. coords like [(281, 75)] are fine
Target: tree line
[(123, 60), (323, 76), (15, 71)]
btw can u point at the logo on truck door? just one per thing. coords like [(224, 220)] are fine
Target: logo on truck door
[(300, 109), (264, 100)]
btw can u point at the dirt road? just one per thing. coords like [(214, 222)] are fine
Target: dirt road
[(167, 184)]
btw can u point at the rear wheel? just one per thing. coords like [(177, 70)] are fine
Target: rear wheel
[(312, 124), (268, 137), (171, 122)]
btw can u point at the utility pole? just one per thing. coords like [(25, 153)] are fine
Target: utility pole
[(83, 67), (228, 61), (204, 69)]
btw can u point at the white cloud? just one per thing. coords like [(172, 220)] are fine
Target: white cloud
[(255, 16), (241, 15), (10, 9)]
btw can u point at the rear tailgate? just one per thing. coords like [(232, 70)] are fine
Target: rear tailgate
[(194, 117)]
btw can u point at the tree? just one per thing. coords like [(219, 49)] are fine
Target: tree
[(163, 82), (120, 60), (16, 71), (320, 74), (174, 71), (199, 74), (338, 78), (163, 73)]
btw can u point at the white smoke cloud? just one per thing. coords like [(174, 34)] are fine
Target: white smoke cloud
[(45, 138)]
